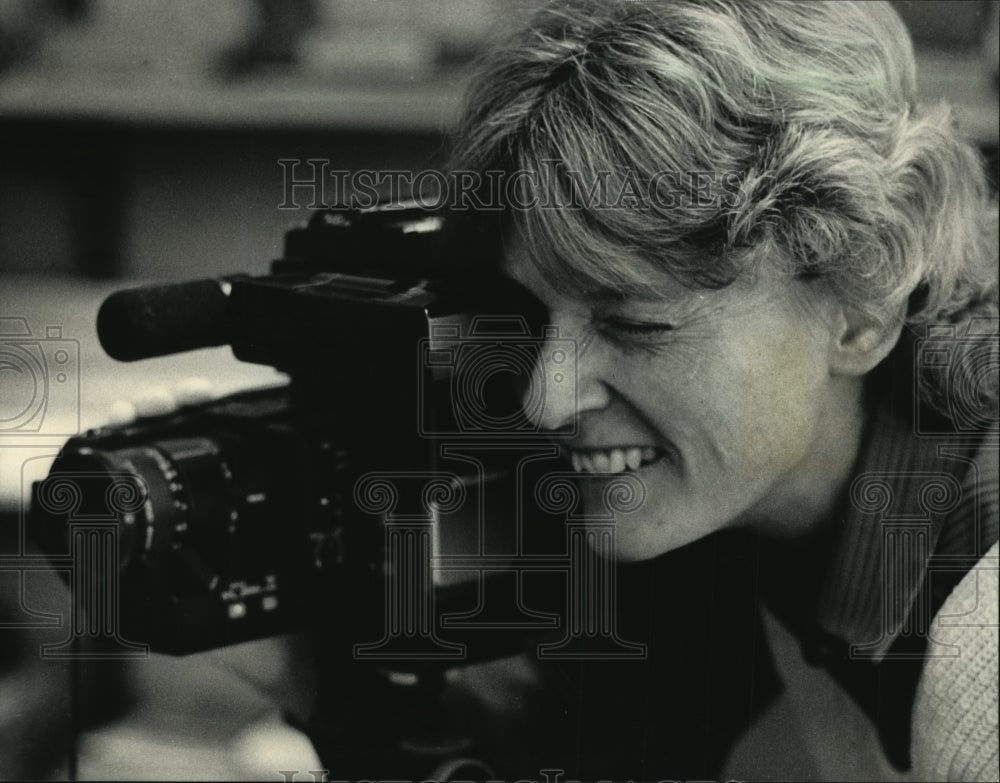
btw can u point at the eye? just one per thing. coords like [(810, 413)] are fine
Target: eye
[(635, 331)]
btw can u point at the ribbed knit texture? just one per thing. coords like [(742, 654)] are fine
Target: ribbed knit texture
[(955, 724)]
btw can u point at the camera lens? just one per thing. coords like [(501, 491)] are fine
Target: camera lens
[(206, 514), (162, 496)]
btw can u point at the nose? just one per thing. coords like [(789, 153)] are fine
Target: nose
[(565, 383)]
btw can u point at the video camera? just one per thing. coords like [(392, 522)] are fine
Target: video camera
[(394, 498), (260, 513)]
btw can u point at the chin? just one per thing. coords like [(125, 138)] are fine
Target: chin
[(649, 532), (644, 525), (650, 540)]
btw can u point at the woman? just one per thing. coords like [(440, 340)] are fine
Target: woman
[(780, 276)]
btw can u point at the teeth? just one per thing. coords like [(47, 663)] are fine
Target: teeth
[(612, 461)]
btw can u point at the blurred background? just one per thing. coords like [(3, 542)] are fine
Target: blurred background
[(139, 141)]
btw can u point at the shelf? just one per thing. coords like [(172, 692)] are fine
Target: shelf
[(429, 105), (426, 102)]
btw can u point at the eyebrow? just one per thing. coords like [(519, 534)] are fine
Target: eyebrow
[(604, 295), (611, 296)]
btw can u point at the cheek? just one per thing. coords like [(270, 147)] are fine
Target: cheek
[(784, 394), (767, 395), (746, 401)]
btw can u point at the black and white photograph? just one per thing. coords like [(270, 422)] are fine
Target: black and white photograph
[(499, 391)]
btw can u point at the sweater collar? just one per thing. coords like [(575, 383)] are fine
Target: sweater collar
[(891, 518)]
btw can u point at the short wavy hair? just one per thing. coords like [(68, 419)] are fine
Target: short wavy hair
[(808, 109)]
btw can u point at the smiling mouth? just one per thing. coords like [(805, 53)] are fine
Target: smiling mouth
[(614, 460)]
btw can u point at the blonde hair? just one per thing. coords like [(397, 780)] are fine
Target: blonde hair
[(808, 108)]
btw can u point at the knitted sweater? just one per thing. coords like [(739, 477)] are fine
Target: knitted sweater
[(955, 718)]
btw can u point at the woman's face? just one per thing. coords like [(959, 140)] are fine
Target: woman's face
[(717, 400)]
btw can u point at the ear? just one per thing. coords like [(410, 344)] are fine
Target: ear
[(859, 341)]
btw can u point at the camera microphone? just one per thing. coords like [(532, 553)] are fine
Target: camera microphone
[(159, 320)]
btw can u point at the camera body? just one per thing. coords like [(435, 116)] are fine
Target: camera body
[(240, 518)]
